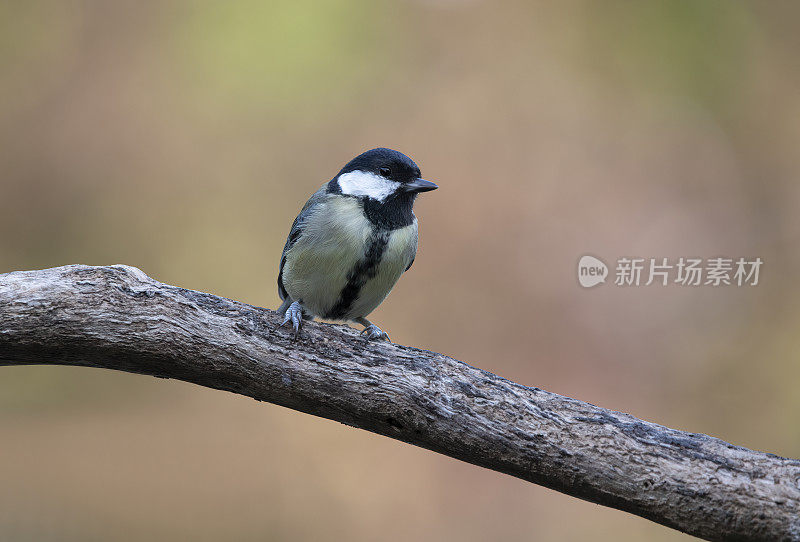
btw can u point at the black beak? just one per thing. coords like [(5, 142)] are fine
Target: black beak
[(419, 185)]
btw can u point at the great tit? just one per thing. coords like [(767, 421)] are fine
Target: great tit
[(351, 242)]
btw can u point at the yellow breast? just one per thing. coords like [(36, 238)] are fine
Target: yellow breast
[(333, 242), (398, 254)]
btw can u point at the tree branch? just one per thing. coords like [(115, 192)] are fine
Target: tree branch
[(118, 318)]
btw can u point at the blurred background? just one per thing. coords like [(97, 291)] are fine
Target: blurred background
[(183, 137)]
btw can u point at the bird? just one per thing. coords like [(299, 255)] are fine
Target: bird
[(351, 242)]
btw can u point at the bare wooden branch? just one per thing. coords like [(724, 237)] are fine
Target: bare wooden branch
[(118, 318)]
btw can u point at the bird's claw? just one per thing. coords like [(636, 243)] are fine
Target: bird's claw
[(294, 314), (374, 333)]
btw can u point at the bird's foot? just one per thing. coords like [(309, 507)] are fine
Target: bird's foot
[(374, 333), (294, 314)]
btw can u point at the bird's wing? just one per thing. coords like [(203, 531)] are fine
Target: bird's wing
[(295, 232), (410, 263)]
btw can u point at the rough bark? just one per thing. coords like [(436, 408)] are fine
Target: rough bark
[(118, 318)]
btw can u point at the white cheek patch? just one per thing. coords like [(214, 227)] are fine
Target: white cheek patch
[(362, 183)]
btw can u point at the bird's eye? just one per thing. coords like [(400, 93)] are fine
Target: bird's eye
[(385, 172)]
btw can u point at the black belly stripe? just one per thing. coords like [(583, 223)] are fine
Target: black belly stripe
[(364, 270)]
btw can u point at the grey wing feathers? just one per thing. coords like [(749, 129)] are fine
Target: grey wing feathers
[(294, 235)]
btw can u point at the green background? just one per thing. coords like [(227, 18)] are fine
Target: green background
[(183, 137)]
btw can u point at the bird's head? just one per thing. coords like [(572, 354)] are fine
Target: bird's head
[(381, 175)]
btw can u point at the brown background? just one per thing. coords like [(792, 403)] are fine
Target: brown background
[(183, 137)]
